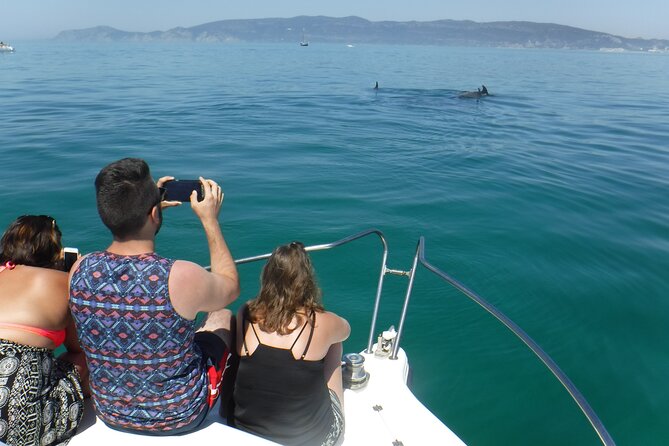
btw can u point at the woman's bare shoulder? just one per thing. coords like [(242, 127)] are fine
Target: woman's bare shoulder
[(37, 277), (44, 292), (49, 277), (329, 315), (338, 327)]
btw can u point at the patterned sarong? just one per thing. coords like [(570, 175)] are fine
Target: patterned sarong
[(41, 400)]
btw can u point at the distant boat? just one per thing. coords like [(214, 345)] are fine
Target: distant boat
[(304, 41), (6, 48)]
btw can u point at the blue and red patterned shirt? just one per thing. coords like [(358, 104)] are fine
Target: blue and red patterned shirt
[(146, 373)]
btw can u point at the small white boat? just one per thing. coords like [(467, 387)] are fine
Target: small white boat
[(6, 48), (380, 409), (384, 412)]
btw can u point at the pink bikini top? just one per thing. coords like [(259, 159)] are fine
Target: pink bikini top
[(56, 336)]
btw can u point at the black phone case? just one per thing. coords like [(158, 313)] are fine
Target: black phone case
[(180, 190)]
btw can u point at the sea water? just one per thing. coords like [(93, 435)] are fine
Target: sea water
[(549, 198)]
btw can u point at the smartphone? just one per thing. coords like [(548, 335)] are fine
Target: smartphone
[(180, 190), (70, 256)]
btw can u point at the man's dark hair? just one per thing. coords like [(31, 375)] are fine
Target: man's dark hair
[(125, 194)]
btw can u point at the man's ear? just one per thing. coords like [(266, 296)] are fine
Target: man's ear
[(155, 213)]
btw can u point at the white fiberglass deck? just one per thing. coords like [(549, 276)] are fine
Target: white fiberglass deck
[(385, 412)]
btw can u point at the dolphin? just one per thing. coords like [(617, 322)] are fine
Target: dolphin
[(478, 94)]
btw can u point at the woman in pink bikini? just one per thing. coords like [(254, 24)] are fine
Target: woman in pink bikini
[(41, 396)]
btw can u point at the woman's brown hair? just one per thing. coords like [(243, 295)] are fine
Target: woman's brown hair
[(287, 285), (33, 240)]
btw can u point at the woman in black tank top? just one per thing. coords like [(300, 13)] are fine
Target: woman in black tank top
[(288, 386)]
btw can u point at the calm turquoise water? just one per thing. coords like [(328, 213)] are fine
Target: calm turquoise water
[(549, 199)]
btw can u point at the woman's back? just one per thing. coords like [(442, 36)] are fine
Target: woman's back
[(280, 396), (33, 297), (289, 386)]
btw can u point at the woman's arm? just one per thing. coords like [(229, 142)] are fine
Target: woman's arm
[(333, 330)]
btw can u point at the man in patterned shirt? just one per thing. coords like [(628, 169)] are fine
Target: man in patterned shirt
[(151, 368)]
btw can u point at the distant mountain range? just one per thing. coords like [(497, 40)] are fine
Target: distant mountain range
[(355, 30)]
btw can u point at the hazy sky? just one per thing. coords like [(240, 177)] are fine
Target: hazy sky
[(39, 19)]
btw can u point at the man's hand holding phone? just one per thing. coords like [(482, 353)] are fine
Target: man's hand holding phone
[(164, 202), (205, 195), (180, 190), (174, 192), (210, 205)]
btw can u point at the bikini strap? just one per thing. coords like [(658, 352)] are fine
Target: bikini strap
[(311, 334), (55, 336), (8, 265)]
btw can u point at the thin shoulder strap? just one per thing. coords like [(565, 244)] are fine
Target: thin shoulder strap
[(299, 334), (255, 332), (246, 349), (311, 334), (244, 320)]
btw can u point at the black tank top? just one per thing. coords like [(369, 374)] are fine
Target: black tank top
[(282, 398)]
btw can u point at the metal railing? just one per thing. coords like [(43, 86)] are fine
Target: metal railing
[(576, 395), (419, 258)]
